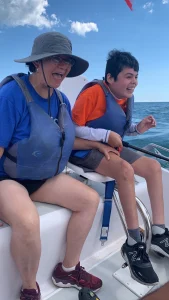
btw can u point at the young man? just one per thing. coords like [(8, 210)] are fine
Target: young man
[(103, 112)]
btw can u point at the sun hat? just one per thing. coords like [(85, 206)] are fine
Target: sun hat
[(51, 44)]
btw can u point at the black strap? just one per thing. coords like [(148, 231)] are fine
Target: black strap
[(12, 158)]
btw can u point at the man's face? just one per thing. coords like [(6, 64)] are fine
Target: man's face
[(125, 84)]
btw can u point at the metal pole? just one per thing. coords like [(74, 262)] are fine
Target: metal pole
[(145, 216), (147, 223)]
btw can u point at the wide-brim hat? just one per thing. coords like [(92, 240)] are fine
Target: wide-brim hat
[(54, 43)]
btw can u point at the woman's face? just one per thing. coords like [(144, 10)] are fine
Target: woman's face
[(56, 68)]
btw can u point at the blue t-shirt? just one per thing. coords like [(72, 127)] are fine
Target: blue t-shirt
[(14, 114)]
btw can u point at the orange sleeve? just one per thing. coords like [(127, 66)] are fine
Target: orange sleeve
[(90, 105)]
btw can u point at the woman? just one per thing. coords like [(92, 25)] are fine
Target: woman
[(36, 139)]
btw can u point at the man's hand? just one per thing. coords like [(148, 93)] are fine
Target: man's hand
[(146, 124), (106, 149), (115, 140)]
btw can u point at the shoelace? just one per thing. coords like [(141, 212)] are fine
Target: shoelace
[(142, 255), (83, 274)]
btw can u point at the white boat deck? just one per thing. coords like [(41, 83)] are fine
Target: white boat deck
[(104, 261), (113, 289)]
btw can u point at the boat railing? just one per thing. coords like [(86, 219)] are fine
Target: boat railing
[(154, 148)]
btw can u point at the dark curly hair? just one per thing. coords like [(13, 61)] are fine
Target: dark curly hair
[(117, 61)]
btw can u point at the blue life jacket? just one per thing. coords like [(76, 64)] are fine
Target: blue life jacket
[(46, 151), (114, 118)]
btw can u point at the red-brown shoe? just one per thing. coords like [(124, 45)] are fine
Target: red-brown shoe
[(77, 278), (30, 294)]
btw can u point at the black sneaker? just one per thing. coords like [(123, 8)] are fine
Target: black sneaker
[(160, 243), (139, 263)]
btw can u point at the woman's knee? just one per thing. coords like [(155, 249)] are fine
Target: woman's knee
[(16, 208), (94, 197), (10, 188), (26, 217), (27, 226), (91, 200)]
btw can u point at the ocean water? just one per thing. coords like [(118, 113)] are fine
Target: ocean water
[(158, 135)]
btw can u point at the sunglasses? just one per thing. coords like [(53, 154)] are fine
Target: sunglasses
[(59, 59)]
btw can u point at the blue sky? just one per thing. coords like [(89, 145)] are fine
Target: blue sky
[(95, 27)]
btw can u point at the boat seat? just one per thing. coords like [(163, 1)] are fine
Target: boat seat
[(89, 175)]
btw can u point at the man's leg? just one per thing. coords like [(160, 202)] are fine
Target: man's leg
[(123, 173), (133, 251), (150, 169), (83, 202), (17, 209)]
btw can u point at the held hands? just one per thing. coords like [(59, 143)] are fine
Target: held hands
[(106, 149), (147, 123), (115, 140)]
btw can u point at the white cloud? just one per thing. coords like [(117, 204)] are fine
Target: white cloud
[(26, 12), (82, 28), (165, 1), (149, 6)]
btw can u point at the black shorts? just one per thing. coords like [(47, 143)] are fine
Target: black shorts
[(92, 160), (30, 185)]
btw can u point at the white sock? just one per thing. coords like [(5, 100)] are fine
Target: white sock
[(131, 241), (158, 229), (68, 269)]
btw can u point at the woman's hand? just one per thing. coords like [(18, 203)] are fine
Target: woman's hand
[(115, 140), (106, 150)]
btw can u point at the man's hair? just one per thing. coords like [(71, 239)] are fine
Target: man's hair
[(117, 61)]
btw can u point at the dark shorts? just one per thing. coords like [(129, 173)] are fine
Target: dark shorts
[(30, 185), (90, 162)]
